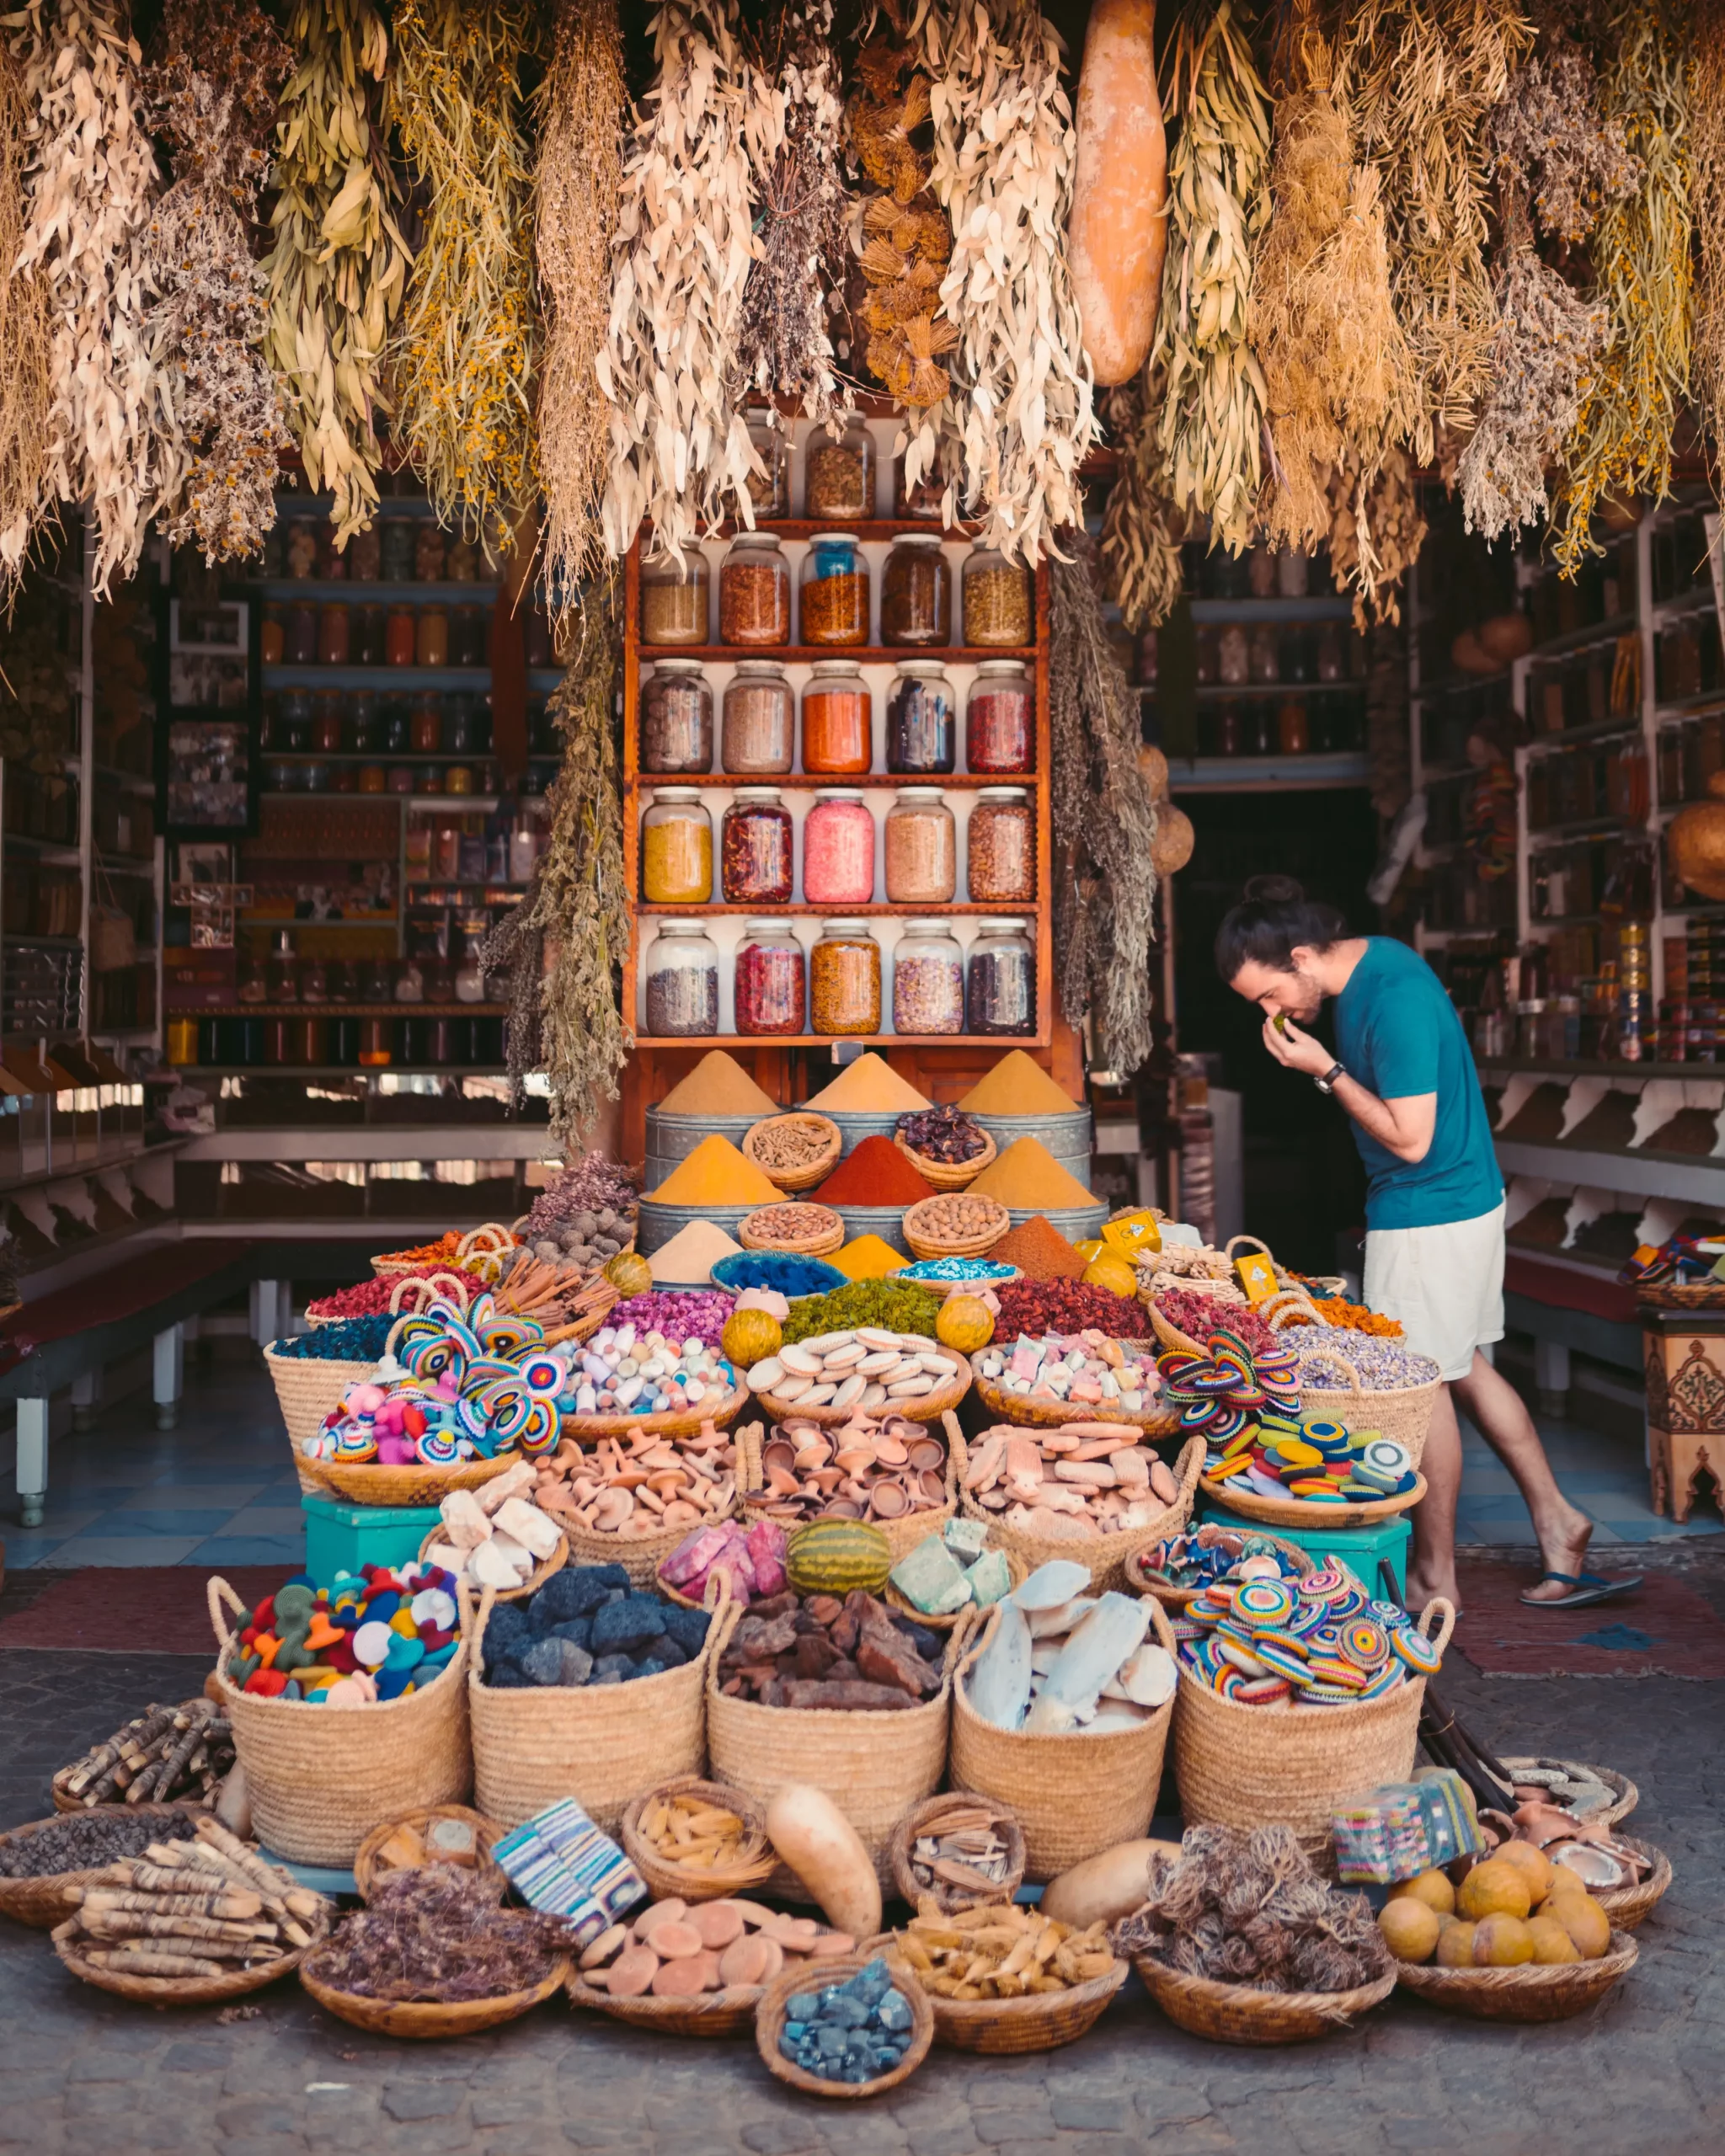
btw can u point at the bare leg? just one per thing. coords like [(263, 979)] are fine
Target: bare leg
[(1431, 1567), (1503, 1422)]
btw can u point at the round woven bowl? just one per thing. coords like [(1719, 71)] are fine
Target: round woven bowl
[(1629, 1907), (1174, 1600), (941, 1401), (431, 2018), (678, 1422), (1532, 1992), (190, 1991), (1106, 1555), (369, 1872), (927, 1241), (364, 1482), (1695, 1296), (903, 1535), (534, 1580), (1233, 2014), (677, 1881), (925, 1818), (42, 1901), (1155, 1420), (826, 1233), (1040, 2021), (727, 2013), (770, 2021), (1624, 1801), (1310, 1512), (949, 1175), (802, 1178), (308, 1388)]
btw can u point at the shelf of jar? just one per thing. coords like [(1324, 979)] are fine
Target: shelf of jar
[(46, 853), (250, 918), (867, 528), (1703, 701), (1584, 827), (346, 1071), (395, 756), (813, 909), (377, 594), (1596, 729), (287, 675), (345, 1009), (1001, 1041), (805, 654), (486, 801), (1574, 640), (1218, 774), (867, 781)]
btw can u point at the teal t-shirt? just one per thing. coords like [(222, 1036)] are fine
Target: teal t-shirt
[(1398, 1033)]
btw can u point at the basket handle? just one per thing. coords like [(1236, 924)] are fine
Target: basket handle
[(1446, 1621), (958, 1453), (416, 1282), (472, 1626), (217, 1593), (1337, 1361), (1191, 1466), (1164, 1631), (1286, 1304), (1255, 1241)]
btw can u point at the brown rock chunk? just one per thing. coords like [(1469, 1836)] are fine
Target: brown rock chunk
[(815, 1656), (857, 1695), (885, 1657), (848, 1626), (825, 1609)]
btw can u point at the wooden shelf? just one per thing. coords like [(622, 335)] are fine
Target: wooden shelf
[(808, 910), (344, 1010), (857, 781), (1002, 1042), (805, 654)]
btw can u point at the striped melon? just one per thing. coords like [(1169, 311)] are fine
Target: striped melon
[(836, 1556)]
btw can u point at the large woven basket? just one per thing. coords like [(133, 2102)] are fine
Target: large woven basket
[(1005, 2028), (307, 1389), (640, 1555), (1074, 1795), (367, 1482), (1535, 1991), (1026, 1414), (770, 2021), (802, 1178), (1626, 1795), (940, 1401), (873, 1765), (903, 1535), (427, 2019), (601, 1744), (1106, 1555), (187, 1990), (1235, 2013), (321, 1779), (1247, 1766), (926, 1244), (42, 1901), (727, 2013), (681, 1423), (1307, 1512), (826, 1233), (949, 1175), (1177, 1599), (680, 1882), (1404, 1414)]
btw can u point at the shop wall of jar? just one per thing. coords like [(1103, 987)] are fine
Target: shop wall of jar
[(326, 1037), (1688, 752), (1603, 590), (1584, 688), (1686, 657), (1454, 896), (1598, 779), (1451, 717)]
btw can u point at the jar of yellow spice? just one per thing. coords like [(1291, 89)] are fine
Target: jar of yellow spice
[(676, 848)]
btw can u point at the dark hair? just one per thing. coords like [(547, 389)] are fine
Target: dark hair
[(1273, 919)]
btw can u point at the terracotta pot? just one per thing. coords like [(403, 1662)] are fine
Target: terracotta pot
[(1505, 636), (1468, 655), (1696, 839)]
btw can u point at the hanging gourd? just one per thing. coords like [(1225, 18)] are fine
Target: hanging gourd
[(1118, 234)]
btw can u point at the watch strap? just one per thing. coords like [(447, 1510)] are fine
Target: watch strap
[(1327, 1084)]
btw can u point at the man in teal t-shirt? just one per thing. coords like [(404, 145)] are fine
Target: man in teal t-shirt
[(1434, 1203)]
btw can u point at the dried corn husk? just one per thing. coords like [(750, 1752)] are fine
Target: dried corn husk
[(1141, 531), (680, 456), (574, 196), (462, 362), (340, 263), (1706, 83), (92, 182), (26, 389)]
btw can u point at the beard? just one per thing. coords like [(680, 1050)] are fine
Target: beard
[(1304, 1005)]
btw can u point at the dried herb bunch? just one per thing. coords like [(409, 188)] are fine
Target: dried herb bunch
[(1020, 414), (438, 1932), (1376, 531), (1642, 261), (93, 182), (1141, 531), (1104, 820), (1550, 134), (1706, 82), (461, 364), (1211, 422), (1249, 1909), (575, 194), (796, 140), (680, 256), (1419, 78), (340, 263), (26, 387), (212, 93), (907, 241)]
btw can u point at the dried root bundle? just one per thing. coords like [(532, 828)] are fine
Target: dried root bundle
[(26, 387)]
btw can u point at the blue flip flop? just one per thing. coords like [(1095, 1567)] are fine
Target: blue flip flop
[(1589, 1588)]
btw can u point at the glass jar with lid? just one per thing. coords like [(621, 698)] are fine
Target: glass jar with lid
[(676, 718), (431, 636), (683, 981), (838, 475), (770, 488), (755, 849), (999, 599), (928, 979), (754, 591), (916, 592), (921, 736), (999, 994), (838, 718), (396, 550), (844, 978), (922, 848), (999, 719), (838, 850), (759, 728), (924, 500), (676, 848), (674, 599), (1000, 848), (769, 990), (835, 597)]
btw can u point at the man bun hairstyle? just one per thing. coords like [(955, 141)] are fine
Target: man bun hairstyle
[(1273, 919)]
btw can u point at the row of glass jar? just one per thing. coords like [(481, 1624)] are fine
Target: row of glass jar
[(838, 476), (349, 1044), (395, 550), (308, 633), (836, 988), (360, 722), (308, 774), (448, 848), (288, 978), (757, 849), (998, 596)]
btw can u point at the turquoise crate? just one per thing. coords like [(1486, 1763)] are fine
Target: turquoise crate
[(1359, 1548), (342, 1538)]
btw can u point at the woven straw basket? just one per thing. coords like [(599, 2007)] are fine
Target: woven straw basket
[(1532, 1992), (770, 2021), (1027, 1414), (928, 1818), (1235, 2013), (367, 1482), (873, 1765), (1405, 1415), (925, 1243), (534, 1580), (430, 2018), (370, 1871), (1006, 2028), (42, 1901), (1248, 1504), (1017, 1571), (1074, 1795), (307, 1389), (681, 1423), (940, 1401), (727, 2013), (320, 1778), (640, 1555), (1245, 1766), (817, 1171), (1626, 1796), (947, 1175), (1177, 1599), (187, 1990), (903, 1535), (1106, 1555), (601, 1744), (826, 1233), (1629, 1907), (677, 1881)]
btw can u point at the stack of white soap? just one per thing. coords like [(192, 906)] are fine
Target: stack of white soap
[(494, 1535)]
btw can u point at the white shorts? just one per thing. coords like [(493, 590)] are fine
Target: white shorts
[(1444, 1286)]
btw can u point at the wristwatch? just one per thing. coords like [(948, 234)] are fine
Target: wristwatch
[(1327, 1084)]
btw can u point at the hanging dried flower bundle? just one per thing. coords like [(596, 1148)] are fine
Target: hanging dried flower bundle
[(1375, 531), (1641, 260), (93, 184), (1210, 424), (1104, 820), (1020, 409), (680, 456), (1141, 531), (340, 263), (212, 96), (1550, 136), (464, 354), (1706, 83), (575, 197), (796, 140), (26, 388)]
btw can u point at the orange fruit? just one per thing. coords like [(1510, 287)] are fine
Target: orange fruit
[(1551, 1944), (1535, 1865), (1455, 1945), (1410, 1929), (1502, 1943), (1431, 1888), (1583, 1919), (1494, 1888)]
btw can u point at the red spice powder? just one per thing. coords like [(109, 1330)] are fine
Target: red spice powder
[(1039, 1250), (876, 1174)]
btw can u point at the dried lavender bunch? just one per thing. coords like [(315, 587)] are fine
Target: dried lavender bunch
[(590, 1184), (1550, 134), (438, 1932)]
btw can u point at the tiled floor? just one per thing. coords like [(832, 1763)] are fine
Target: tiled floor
[(221, 1490)]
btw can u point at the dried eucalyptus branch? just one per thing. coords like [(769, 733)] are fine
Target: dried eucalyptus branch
[(1141, 531), (1706, 83), (463, 358), (680, 456), (339, 262), (26, 384), (575, 192), (212, 94), (92, 182)]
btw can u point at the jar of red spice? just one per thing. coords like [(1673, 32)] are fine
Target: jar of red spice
[(1000, 848), (755, 845), (922, 848), (770, 987), (754, 591), (326, 722), (999, 719), (838, 719), (844, 978), (838, 850), (272, 637), (425, 726), (398, 638)]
